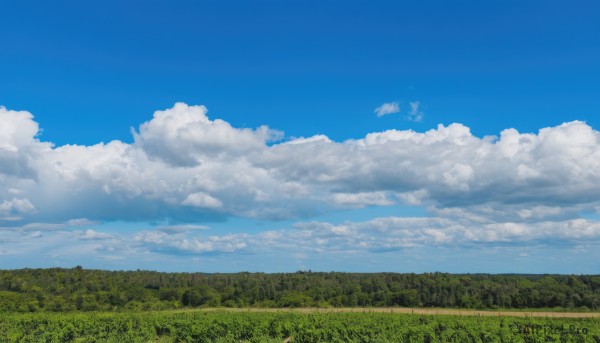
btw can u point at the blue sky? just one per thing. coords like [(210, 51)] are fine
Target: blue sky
[(247, 136)]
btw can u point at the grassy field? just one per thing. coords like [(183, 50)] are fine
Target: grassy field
[(549, 313), (297, 325)]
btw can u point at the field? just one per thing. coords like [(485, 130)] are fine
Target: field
[(424, 311), (303, 325)]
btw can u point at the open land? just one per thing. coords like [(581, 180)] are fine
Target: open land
[(417, 311)]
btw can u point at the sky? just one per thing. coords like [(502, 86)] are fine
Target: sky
[(275, 136)]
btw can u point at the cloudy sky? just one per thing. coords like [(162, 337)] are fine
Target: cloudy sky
[(284, 135)]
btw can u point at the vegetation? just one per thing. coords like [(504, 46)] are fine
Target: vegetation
[(221, 326), (57, 290)]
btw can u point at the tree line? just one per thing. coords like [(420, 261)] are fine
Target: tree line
[(78, 289)]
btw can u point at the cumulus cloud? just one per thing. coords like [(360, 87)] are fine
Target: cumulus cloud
[(387, 108), (18, 130), (186, 168), (19, 146), (184, 136)]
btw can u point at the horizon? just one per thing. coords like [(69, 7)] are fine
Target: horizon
[(298, 272), (272, 137)]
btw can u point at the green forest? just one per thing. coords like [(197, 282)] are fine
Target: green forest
[(78, 289)]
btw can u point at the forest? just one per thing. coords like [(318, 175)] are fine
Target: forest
[(78, 289)]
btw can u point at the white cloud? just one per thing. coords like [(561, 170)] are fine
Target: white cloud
[(18, 129), (16, 206), (363, 199), (387, 108), (186, 168), (90, 234), (415, 114), (326, 244), (19, 147), (181, 243), (375, 235), (184, 136), (313, 139), (201, 199)]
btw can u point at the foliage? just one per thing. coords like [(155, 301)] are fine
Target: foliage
[(58, 290), (222, 326)]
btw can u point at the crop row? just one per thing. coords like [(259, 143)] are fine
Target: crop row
[(223, 326)]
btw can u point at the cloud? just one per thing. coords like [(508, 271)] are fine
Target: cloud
[(18, 130), (373, 236), (387, 108), (92, 235), (177, 229), (80, 222), (184, 136), (359, 200), (57, 226), (185, 168), (449, 167), (201, 199), (181, 243), (16, 206), (312, 139), (19, 146), (317, 238), (415, 114)]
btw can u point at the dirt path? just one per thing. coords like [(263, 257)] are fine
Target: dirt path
[(424, 311)]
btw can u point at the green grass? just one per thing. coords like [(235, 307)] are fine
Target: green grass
[(224, 326)]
